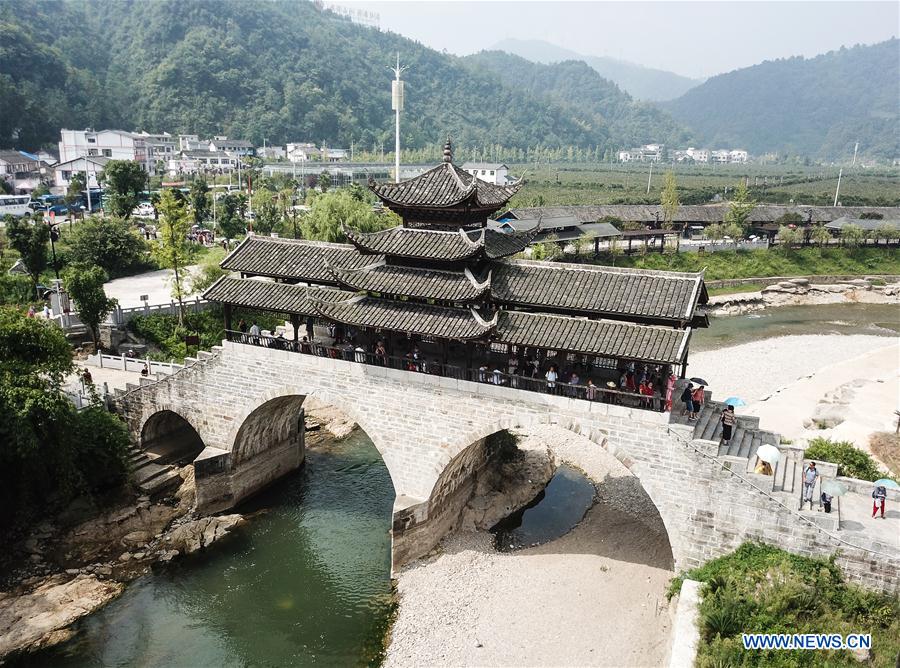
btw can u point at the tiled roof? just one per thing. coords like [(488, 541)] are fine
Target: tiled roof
[(604, 290), (605, 338), (439, 245), (456, 286), (271, 296), (438, 321), (290, 258), (444, 186)]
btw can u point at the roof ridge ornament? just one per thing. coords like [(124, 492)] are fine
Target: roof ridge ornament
[(487, 324), (448, 150), (472, 243), (481, 287)]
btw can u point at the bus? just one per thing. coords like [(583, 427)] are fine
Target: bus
[(14, 205)]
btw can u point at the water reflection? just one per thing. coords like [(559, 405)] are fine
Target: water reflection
[(307, 581)]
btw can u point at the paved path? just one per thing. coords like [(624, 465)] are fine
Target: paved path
[(856, 520), (114, 378), (156, 284)]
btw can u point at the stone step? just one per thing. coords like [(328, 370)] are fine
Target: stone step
[(149, 471), (790, 476), (160, 483), (189, 360), (204, 355), (745, 443), (734, 445)]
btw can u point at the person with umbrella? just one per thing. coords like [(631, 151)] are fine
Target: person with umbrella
[(879, 494)]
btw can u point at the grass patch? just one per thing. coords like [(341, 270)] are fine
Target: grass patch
[(761, 589), (886, 446), (770, 262), (851, 461)]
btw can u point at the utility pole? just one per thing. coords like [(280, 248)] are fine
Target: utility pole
[(838, 189), (397, 106), (855, 151), (649, 177)]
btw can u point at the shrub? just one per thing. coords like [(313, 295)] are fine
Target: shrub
[(851, 461)]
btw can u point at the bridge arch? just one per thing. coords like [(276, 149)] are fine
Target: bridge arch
[(170, 436), (271, 417), (463, 459)]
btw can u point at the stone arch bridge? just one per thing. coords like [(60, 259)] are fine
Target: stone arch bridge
[(244, 404)]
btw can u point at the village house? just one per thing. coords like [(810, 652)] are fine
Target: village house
[(110, 144), (271, 152), (301, 152), (238, 147), (495, 173), (92, 166)]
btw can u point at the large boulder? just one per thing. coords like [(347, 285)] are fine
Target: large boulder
[(200, 533)]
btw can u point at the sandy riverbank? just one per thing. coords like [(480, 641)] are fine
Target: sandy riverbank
[(595, 596)]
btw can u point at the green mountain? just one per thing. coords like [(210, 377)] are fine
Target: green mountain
[(818, 107), (597, 103), (642, 83), (283, 70)]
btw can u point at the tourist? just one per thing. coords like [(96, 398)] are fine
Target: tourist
[(535, 367), (670, 390), (255, 332), (762, 467), (146, 370), (574, 379), (826, 501), (551, 377), (380, 353), (728, 420), (809, 482), (699, 398), (497, 376), (46, 312), (590, 390), (30, 313), (512, 366), (482, 373), (623, 381), (688, 402), (242, 326), (630, 385), (87, 377), (879, 494), (305, 346), (360, 354), (310, 332), (657, 396)]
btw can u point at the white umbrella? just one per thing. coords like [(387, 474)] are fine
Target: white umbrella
[(768, 453), (834, 488)]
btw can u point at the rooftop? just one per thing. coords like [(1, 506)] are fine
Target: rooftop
[(440, 245)]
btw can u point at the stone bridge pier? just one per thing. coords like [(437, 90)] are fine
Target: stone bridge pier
[(244, 404)]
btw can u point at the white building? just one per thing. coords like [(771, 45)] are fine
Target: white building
[(271, 152), (191, 143), (92, 166), (235, 146), (490, 172), (202, 161), (698, 154), (301, 152), (645, 153), (110, 144), (161, 146), (720, 156), (738, 156), (335, 154)]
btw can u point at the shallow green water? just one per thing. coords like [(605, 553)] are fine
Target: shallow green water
[(871, 319), (306, 582), (552, 513)]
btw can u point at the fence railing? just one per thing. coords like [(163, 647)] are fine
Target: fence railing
[(126, 363), (483, 374), (122, 316)]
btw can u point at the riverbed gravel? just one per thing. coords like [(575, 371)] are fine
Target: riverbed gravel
[(595, 596)]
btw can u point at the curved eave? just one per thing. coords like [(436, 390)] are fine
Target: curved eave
[(359, 240), (461, 287)]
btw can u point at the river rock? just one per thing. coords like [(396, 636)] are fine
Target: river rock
[(102, 535), (826, 416), (800, 281), (135, 538), (40, 618), (200, 533)]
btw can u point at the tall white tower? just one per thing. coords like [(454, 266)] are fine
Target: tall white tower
[(397, 106)]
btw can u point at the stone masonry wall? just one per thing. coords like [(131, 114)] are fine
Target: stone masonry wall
[(420, 423)]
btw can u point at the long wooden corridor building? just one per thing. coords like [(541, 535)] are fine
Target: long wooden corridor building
[(443, 283)]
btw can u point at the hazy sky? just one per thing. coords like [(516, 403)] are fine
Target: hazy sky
[(696, 39)]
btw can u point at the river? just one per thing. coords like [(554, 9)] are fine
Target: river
[(306, 581)]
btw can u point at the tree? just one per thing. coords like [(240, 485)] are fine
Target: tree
[(330, 211), (84, 283), (30, 240), (268, 217), (789, 236), (733, 231), (109, 243), (887, 231), (124, 181), (200, 202), (324, 181), (231, 217), (173, 251), (715, 232), (668, 199), (77, 184), (820, 235), (852, 235), (741, 206)]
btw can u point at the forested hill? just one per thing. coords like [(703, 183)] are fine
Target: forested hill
[(597, 103), (276, 69), (818, 107), (642, 83)]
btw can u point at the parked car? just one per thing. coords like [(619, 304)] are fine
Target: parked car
[(143, 210)]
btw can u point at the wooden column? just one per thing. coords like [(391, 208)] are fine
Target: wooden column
[(227, 309), (295, 323), (596, 246)]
